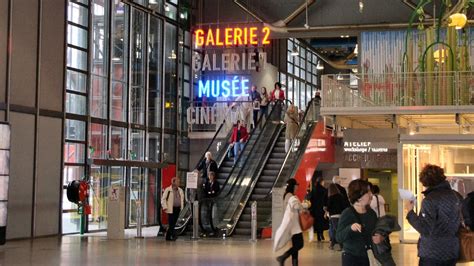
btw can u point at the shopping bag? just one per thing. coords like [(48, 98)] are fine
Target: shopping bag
[(306, 220)]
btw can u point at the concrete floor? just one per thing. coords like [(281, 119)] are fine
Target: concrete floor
[(95, 249)]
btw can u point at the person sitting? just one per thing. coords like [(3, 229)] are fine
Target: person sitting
[(211, 187), (238, 139)]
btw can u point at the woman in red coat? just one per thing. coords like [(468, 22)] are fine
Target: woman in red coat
[(277, 96), (238, 139)]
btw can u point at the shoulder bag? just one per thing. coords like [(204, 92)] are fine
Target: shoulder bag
[(466, 240), (306, 220)]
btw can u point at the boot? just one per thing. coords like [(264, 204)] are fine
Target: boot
[(295, 262), (281, 259)]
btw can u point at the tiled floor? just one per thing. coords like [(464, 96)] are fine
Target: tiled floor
[(95, 249)]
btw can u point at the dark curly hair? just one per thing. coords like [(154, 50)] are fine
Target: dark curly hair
[(432, 175), (357, 188)]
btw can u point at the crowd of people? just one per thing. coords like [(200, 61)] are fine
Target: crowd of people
[(359, 225)]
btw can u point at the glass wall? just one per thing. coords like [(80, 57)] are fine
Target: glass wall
[(457, 162), (301, 78), (124, 94)]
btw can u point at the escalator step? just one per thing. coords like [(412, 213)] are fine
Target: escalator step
[(266, 185), (225, 169), (273, 166), (261, 191), (279, 150), (278, 156), (257, 197), (273, 173), (275, 161), (267, 178), (242, 231)]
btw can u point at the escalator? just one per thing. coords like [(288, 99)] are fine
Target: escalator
[(274, 167), (219, 147), (263, 186), (214, 211)]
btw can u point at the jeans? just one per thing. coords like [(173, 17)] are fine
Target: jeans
[(434, 262), (332, 230), (238, 147), (172, 219), (351, 260)]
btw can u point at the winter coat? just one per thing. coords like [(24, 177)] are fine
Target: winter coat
[(290, 225), (438, 223), (167, 199), (281, 95), (336, 204), (318, 197), (243, 134), (211, 189), (383, 251), (207, 167), (291, 121)]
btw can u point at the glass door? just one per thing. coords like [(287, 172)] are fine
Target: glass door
[(99, 186)]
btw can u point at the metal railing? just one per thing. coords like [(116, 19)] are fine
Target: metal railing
[(398, 89)]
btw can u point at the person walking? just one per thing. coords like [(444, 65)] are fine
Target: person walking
[(336, 204), (277, 97), (264, 103), (238, 139), (292, 124), (337, 180), (172, 202), (439, 219), (290, 227), (318, 197), (378, 202), (256, 101), (356, 224)]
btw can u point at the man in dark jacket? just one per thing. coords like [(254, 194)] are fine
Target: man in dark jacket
[(256, 99), (207, 165)]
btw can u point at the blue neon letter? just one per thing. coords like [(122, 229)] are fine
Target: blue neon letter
[(203, 89)]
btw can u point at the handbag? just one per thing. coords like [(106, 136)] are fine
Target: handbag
[(466, 245), (306, 220)]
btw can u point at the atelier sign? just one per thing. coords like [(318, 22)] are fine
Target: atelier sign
[(362, 147)]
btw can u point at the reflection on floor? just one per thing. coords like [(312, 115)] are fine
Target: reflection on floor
[(95, 249)]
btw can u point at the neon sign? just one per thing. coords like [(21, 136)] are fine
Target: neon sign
[(226, 88), (232, 37)]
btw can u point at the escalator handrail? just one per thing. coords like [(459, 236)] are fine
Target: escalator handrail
[(210, 144)]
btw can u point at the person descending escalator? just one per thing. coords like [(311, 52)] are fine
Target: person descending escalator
[(238, 139), (207, 165), (211, 187), (292, 124)]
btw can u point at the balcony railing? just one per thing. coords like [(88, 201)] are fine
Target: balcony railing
[(398, 89)]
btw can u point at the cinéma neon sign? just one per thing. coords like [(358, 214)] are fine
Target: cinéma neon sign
[(232, 36), (226, 88)]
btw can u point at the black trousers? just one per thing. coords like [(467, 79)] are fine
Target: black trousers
[(172, 219), (351, 260), (297, 243), (255, 117), (434, 262)]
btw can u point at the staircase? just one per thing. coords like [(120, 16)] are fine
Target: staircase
[(263, 187)]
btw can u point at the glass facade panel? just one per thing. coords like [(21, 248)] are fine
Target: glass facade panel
[(155, 74), (76, 104), (76, 81), (119, 101), (119, 41), (137, 145), (171, 87), (77, 14), (154, 146), (171, 11), (118, 147), (98, 141), (75, 130), (76, 59), (74, 152), (98, 96), (77, 36), (100, 37), (169, 151), (99, 188), (137, 94)]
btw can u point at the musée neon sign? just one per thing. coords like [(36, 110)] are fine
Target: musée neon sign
[(232, 36), (237, 86)]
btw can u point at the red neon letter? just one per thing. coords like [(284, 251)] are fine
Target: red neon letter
[(228, 36), (199, 37), (266, 31), (210, 38), (253, 36), (218, 35), (238, 36)]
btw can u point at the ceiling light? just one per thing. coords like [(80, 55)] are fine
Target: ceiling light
[(319, 66), (356, 49), (167, 8), (294, 52), (361, 6), (181, 15), (457, 20), (355, 70), (339, 77)]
